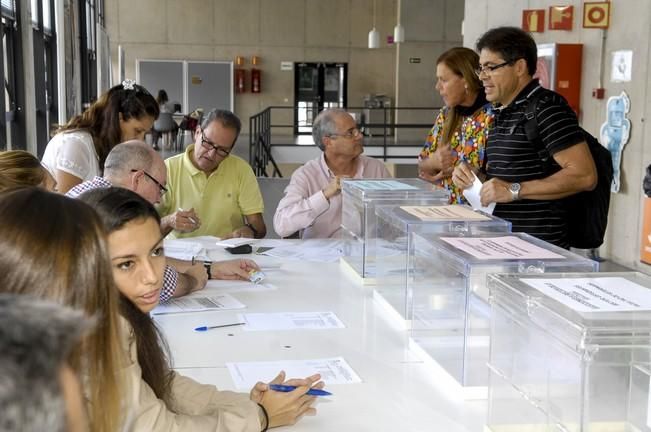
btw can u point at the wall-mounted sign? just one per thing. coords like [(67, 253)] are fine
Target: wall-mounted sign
[(414, 59), (196, 80), (561, 17), (533, 20), (286, 66), (596, 14), (622, 66)]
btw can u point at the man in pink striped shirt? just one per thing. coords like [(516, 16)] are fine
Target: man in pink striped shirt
[(312, 201)]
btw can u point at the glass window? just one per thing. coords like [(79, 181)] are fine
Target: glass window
[(8, 8)]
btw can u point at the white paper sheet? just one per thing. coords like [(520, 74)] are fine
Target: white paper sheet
[(290, 321), (182, 249), (472, 195), (383, 185), (199, 304), (333, 371), (234, 242), (234, 286), (321, 250), (503, 247), (446, 212), (602, 294)]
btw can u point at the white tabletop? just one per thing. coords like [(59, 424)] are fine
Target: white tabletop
[(398, 391)]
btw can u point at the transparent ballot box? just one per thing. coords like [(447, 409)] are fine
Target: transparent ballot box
[(570, 352), (450, 311), (395, 227), (359, 199)]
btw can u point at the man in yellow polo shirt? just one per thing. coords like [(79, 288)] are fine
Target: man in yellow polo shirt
[(213, 189)]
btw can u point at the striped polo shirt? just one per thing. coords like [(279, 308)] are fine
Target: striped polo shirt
[(512, 158)]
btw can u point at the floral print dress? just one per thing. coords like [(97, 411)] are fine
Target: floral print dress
[(468, 144)]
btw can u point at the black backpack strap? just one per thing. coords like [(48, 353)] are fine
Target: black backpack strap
[(532, 131)]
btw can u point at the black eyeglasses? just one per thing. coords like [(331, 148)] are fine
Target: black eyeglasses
[(210, 146), (488, 70), (162, 189)]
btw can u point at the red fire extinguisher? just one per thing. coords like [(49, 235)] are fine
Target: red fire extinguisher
[(256, 85), (240, 75), (240, 78), (255, 81)]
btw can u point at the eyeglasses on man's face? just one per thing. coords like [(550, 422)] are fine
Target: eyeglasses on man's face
[(161, 189), (207, 145), (350, 134), (489, 69)]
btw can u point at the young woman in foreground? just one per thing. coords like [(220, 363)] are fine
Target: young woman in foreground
[(162, 399), (52, 247)]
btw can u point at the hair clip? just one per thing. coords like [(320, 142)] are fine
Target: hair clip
[(129, 84)]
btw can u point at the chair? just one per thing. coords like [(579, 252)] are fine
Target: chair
[(188, 124), (272, 190), (165, 127)]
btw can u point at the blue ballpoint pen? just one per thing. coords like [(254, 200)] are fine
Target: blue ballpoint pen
[(288, 388), (206, 328)]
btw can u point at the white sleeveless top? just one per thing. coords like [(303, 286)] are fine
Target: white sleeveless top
[(74, 153)]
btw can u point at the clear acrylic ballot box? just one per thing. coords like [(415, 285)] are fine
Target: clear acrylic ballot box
[(450, 312), (570, 352), (396, 226), (359, 198)]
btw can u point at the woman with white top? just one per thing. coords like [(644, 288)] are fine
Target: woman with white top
[(78, 150)]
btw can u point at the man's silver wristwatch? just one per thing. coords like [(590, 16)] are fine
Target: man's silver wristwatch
[(515, 191)]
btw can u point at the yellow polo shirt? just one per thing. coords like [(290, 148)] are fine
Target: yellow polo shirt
[(221, 199)]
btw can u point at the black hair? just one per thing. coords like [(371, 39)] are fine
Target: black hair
[(512, 44), (117, 207)]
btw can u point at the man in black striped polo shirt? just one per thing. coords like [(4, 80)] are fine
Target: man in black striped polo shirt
[(525, 187)]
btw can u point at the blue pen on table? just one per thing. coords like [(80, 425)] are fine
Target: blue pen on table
[(288, 388), (206, 328)]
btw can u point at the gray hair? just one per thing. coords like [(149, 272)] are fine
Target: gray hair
[(129, 155), (227, 119), (36, 337), (325, 125)]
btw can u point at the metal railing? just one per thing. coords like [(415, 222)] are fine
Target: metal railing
[(261, 129)]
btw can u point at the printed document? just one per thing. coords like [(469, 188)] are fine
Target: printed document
[(444, 213), (599, 294), (199, 304), (505, 247), (332, 370), (290, 321)]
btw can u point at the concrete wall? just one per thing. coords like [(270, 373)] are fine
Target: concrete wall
[(629, 30), (431, 27), (294, 30), (274, 30)]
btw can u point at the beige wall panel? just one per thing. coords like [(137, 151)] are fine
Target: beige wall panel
[(327, 23), (453, 18), (370, 71), (282, 22), (329, 55), (190, 21), (277, 86), (423, 20), (134, 28), (237, 22)]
